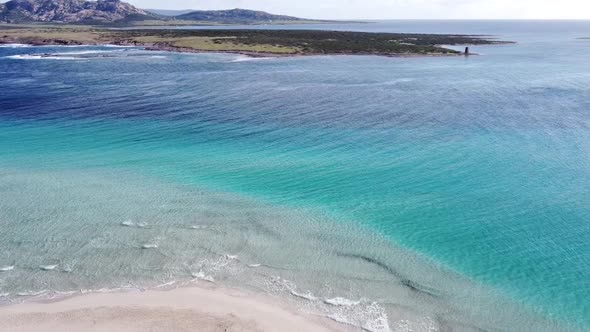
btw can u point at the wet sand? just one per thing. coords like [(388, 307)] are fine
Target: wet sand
[(181, 309)]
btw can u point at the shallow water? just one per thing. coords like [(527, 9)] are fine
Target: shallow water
[(436, 192)]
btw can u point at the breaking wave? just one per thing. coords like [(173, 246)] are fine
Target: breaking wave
[(364, 314), (15, 45), (40, 57)]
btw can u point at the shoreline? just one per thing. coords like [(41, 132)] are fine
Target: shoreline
[(250, 54), (206, 308), (253, 43), (296, 55), (374, 288)]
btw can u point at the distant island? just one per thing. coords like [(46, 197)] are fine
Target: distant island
[(248, 42), (118, 13)]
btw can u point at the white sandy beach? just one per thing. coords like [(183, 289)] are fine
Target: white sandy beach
[(182, 309)]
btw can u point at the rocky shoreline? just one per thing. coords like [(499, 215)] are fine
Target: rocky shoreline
[(251, 43)]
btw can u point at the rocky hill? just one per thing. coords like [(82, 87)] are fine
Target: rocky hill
[(236, 16), (70, 11), (119, 12)]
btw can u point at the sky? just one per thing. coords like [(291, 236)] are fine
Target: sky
[(394, 9)]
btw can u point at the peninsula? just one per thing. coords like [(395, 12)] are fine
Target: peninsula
[(84, 22), (248, 42)]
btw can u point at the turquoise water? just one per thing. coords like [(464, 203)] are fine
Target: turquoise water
[(452, 192)]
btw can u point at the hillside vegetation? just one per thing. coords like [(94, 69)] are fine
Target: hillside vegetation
[(273, 42)]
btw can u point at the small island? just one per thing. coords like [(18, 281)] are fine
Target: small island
[(248, 42)]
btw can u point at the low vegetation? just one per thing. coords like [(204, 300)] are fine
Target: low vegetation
[(266, 42)]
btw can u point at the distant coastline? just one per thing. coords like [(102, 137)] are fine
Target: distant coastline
[(253, 43), (116, 13)]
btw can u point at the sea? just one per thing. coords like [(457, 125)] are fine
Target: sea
[(390, 194)]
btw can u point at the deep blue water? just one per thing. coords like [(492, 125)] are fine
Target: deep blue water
[(481, 164)]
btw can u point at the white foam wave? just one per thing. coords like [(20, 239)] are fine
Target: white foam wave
[(149, 246), (6, 268), (60, 293), (83, 45), (48, 267), (249, 58), (254, 265), (28, 294), (117, 46), (370, 318), (362, 314), (221, 262), (23, 57), (86, 52), (128, 223), (340, 301), (15, 45), (307, 296), (166, 284), (39, 57), (276, 284), (208, 268), (202, 276)]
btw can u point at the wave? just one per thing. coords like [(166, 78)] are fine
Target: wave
[(307, 296), (208, 269), (39, 57), (128, 223), (166, 284), (202, 276), (48, 267), (63, 294), (6, 268), (15, 45), (369, 316), (117, 46), (86, 52), (380, 324), (32, 294), (340, 301), (366, 315), (249, 58), (195, 227)]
